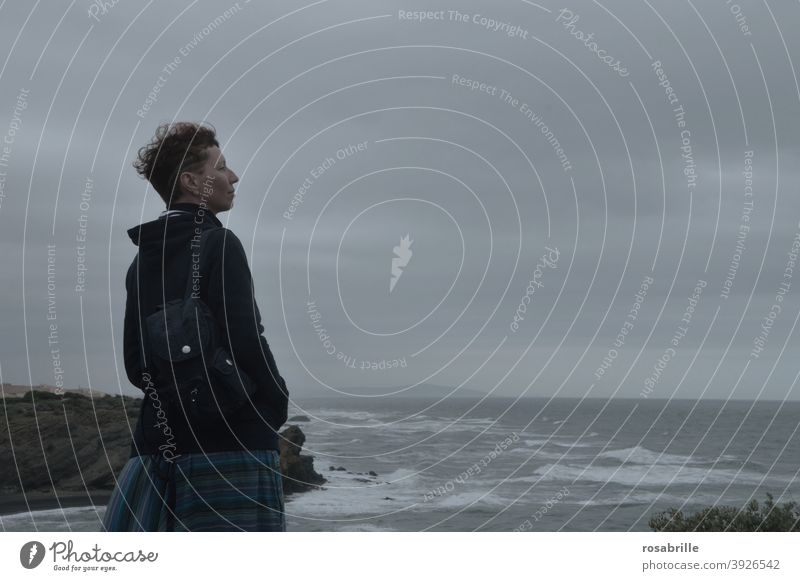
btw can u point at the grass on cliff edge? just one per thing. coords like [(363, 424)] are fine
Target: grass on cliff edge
[(767, 517)]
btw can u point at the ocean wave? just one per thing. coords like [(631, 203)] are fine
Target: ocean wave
[(347, 496), (428, 427), (637, 498), (571, 443), (79, 518), (365, 528), (640, 455), (548, 455), (650, 498), (653, 475), (551, 434), (330, 415), (402, 475), (472, 499), (536, 434)]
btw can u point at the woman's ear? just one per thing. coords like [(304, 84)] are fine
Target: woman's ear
[(189, 182)]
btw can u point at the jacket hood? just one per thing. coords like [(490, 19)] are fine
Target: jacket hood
[(172, 231)]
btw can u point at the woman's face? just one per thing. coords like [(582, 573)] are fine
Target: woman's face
[(213, 184)]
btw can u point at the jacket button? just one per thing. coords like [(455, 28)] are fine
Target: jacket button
[(229, 362), (186, 349)]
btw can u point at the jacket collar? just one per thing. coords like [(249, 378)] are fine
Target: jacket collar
[(188, 207), (182, 220)]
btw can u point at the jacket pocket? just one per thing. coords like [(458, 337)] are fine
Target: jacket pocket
[(233, 387)]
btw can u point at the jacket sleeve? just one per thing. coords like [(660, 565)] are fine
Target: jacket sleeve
[(131, 342), (231, 299)]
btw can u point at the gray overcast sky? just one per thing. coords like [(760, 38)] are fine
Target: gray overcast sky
[(572, 144)]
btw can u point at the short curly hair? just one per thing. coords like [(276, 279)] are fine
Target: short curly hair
[(175, 148)]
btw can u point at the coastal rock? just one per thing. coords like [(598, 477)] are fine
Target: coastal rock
[(64, 443), (71, 443), (299, 419), (297, 469)]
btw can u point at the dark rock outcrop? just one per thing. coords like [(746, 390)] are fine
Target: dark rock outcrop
[(66, 443), (69, 443), (298, 419), (297, 469)]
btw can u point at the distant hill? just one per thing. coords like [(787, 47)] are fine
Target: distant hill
[(9, 390), (424, 390)]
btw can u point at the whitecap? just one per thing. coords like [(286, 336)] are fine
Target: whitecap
[(404, 476), (563, 444), (472, 499), (79, 518), (344, 415), (652, 475), (640, 455), (632, 499), (346, 497), (365, 528), (541, 454)]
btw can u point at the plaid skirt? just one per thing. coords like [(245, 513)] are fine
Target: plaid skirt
[(218, 491)]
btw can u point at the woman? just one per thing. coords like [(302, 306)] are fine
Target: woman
[(226, 476)]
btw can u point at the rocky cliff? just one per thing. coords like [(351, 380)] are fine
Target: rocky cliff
[(50, 442)]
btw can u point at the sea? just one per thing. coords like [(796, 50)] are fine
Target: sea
[(524, 464)]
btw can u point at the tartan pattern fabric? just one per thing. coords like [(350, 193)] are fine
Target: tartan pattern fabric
[(218, 491)]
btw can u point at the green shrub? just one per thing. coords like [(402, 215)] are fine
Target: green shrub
[(40, 396), (753, 518)]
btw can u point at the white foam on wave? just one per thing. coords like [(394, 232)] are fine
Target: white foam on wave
[(426, 426), (78, 518), (345, 416), (641, 497), (552, 435), (365, 528), (644, 475), (477, 421), (536, 434), (347, 497), (640, 455), (406, 476), (474, 499), (415, 426), (570, 443), (562, 455)]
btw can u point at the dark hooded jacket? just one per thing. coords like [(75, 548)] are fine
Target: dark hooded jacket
[(161, 268)]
